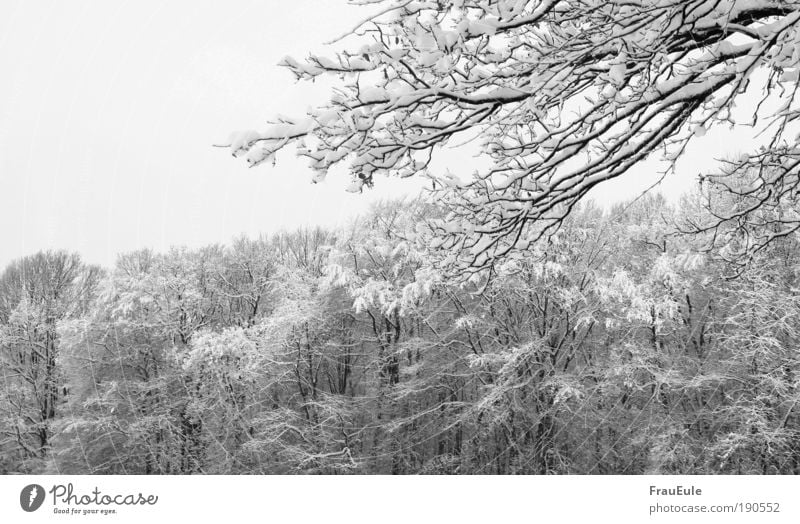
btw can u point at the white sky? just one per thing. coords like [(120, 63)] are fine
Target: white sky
[(108, 110)]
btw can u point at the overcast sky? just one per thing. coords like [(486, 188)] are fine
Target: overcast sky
[(108, 110)]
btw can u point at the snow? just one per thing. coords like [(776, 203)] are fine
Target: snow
[(356, 186), (609, 91), (482, 27), (616, 73), (373, 94)]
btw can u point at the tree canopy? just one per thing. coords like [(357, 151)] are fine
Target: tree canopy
[(560, 96), (619, 347)]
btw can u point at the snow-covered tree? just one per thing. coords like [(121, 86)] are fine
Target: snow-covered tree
[(558, 96), (36, 293), (615, 345), (123, 360), (742, 210)]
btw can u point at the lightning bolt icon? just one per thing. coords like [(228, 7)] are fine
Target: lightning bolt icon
[(32, 496)]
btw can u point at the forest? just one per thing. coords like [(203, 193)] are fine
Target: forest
[(628, 342), (499, 323)]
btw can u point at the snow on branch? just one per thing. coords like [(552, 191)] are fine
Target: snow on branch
[(563, 95)]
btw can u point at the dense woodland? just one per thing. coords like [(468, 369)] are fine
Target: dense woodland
[(627, 343)]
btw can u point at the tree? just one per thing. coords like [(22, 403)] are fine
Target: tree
[(744, 209), (559, 96), (123, 358), (36, 293)]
